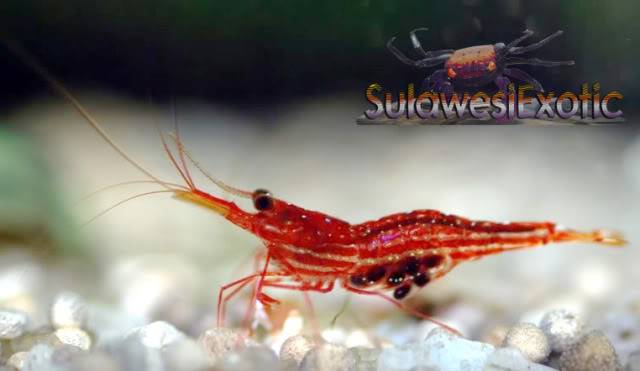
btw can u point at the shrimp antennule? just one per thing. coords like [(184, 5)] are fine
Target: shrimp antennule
[(222, 185)]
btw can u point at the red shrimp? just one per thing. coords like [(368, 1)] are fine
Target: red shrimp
[(308, 250)]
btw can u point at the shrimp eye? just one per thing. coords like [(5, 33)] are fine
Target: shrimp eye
[(262, 199), (451, 73)]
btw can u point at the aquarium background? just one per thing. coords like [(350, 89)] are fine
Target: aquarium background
[(252, 53), (266, 96)]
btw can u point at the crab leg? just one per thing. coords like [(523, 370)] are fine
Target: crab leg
[(418, 47), (536, 62), (503, 84), (526, 35), (539, 44), (421, 63), (439, 83), (519, 74)]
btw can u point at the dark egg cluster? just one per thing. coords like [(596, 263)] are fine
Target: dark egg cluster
[(399, 276)]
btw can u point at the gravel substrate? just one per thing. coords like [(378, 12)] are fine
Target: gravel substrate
[(72, 340)]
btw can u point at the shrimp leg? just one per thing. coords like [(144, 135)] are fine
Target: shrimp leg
[(401, 306), (305, 288), (239, 285), (257, 292)]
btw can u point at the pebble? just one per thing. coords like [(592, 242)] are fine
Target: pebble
[(592, 352), (495, 335), (294, 349), (250, 359), (30, 339), (12, 324), (39, 359), (633, 362), (441, 350), (218, 342), (359, 338), (68, 310), (562, 328), (109, 324), (402, 358), (334, 335), (512, 359), (530, 340), (157, 335), (445, 351), (63, 354), (623, 330), (131, 355), (74, 337), (144, 347), (326, 357), (366, 358), (94, 361), (17, 360), (186, 355)]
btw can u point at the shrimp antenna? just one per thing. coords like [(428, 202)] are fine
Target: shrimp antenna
[(117, 185), (122, 202), (174, 110), (225, 187), (183, 173), (30, 61)]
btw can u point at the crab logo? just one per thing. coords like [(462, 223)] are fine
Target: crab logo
[(477, 66)]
